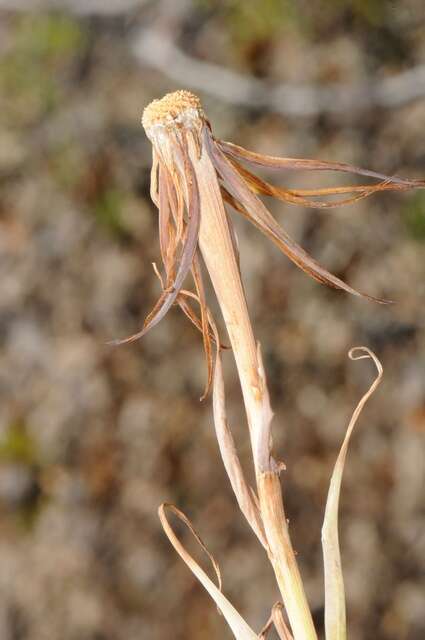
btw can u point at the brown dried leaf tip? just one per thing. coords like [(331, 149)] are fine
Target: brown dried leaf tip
[(192, 172)]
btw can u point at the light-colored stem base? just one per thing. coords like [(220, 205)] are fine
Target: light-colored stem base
[(218, 252), (282, 556)]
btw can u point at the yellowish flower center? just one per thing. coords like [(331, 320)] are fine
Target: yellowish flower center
[(171, 109)]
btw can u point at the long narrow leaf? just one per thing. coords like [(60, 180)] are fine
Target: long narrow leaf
[(258, 185), (167, 233), (335, 617), (244, 494), (241, 630), (251, 206), (154, 177), (170, 294), (273, 162), (197, 277)]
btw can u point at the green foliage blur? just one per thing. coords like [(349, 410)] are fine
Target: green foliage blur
[(43, 46), (414, 212), (17, 445)]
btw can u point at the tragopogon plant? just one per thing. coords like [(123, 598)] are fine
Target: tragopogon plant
[(196, 180)]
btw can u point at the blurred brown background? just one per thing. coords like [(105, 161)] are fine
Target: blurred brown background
[(94, 438)]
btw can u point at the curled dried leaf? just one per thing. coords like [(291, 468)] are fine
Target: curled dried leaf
[(277, 621), (241, 630), (335, 616)]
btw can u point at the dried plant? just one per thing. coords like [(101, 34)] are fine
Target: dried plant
[(194, 177)]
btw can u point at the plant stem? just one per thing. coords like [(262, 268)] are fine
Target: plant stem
[(218, 252)]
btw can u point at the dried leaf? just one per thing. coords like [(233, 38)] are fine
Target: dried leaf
[(197, 277), (187, 309), (234, 238), (167, 233), (239, 627), (266, 629), (277, 620), (244, 494), (249, 205), (170, 294), (190, 313), (258, 185), (154, 191), (273, 162), (335, 618), (176, 200), (384, 185)]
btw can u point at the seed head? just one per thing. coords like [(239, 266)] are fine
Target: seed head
[(177, 108)]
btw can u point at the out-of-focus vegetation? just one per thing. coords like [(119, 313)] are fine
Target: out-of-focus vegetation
[(415, 217), (17, 445), (247, 24), (40, 52)]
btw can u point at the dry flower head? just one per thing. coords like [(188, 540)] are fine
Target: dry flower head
[(177, 122), (196, 180)]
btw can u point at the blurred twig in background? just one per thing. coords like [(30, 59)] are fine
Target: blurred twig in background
[(79, 7), (153, 48), (156, 47)]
